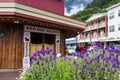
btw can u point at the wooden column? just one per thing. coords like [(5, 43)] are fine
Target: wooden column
[(62, 43)]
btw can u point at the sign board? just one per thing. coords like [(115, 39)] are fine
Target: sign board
[(26, 43), (41, 30), (26, 36), (26, 59), (26, 49), (57, 44), (26, 62), (29, 29)]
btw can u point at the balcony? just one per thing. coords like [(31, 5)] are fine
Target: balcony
[(102, 24), (87, 28)]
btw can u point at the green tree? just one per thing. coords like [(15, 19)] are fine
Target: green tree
[(96, 6)]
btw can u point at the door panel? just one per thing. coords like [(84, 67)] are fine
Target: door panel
[(41, 41), (34, 48), (50, 46), (36, 42), (49, 41)]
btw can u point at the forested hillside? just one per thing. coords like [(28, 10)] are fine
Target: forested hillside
[(96, 6)]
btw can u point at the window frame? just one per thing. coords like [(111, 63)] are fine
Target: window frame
[(112, 28), (118, 12), (118, 27), (111, 15)]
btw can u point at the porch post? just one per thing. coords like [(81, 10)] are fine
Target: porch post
[(26, 59)]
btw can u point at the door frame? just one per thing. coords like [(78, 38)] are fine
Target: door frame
[(27, 36)]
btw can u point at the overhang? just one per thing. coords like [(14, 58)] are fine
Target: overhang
[(27, 12)]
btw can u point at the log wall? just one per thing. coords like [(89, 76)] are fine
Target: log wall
[(11, 46)]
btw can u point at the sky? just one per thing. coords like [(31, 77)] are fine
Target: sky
[(74, 6)]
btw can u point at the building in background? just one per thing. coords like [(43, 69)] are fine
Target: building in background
[(114, 24), (96, 29), (71, 44)]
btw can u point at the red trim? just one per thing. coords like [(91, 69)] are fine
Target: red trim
[(41, 8), (25, 3), (36, 18), (44, 10), (6, 13), (7, 0), (106, 25)]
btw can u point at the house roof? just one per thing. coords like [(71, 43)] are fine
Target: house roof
[(96, 16), (12, 8), (116, 5)]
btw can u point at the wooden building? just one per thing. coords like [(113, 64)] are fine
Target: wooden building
[(29, 25)]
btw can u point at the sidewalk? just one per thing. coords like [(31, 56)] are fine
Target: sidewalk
[(9, 74)]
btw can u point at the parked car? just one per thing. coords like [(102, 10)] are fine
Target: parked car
[(71, 50)]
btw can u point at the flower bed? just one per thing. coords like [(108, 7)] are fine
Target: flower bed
[(98, 64)]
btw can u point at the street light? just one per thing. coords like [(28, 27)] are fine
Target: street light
[(77, 38)]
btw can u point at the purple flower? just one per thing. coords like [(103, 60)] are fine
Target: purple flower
[(107, 47), (97, 67), (106, 65), (74, 63), (84, 66), (114, 65), (54, 53), (103, 69), (108, 70), (46, 60), (117, 51), (90, 70)]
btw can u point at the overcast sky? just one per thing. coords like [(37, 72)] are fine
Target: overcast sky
[(74, 6)]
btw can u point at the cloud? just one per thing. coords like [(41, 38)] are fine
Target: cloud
[(74, 6), (73, 10)]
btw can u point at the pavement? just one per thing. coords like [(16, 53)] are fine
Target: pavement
[(9, 74)]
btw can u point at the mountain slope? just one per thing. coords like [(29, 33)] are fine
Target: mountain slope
[(96, 6)]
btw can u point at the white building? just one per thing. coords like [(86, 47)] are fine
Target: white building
[(96, 29), (114, 24), (71, 44)]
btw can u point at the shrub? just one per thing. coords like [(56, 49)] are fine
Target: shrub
[(98, 64)]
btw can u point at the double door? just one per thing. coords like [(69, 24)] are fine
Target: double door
[(41, 41)]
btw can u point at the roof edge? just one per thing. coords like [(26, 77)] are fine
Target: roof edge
[(113, 6)]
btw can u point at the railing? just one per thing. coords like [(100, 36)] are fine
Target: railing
[(95, 26)]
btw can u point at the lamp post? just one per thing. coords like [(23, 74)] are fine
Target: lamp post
[(77, 38)]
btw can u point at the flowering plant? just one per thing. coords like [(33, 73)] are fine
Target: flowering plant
[(98, 64)]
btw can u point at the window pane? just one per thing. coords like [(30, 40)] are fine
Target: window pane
[(118, 27), (111, 15), (111, 28), (119, 13)]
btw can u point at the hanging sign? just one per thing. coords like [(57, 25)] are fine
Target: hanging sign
[(26, 36), (41, 30), (26, 59), (26, 62), (57, 44), (26, 43)]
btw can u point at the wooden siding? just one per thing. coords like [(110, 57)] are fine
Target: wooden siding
[(11, 46)]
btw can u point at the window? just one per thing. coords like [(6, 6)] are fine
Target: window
[(118, 27), (111, 15), (118, 12), (111, 28)]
